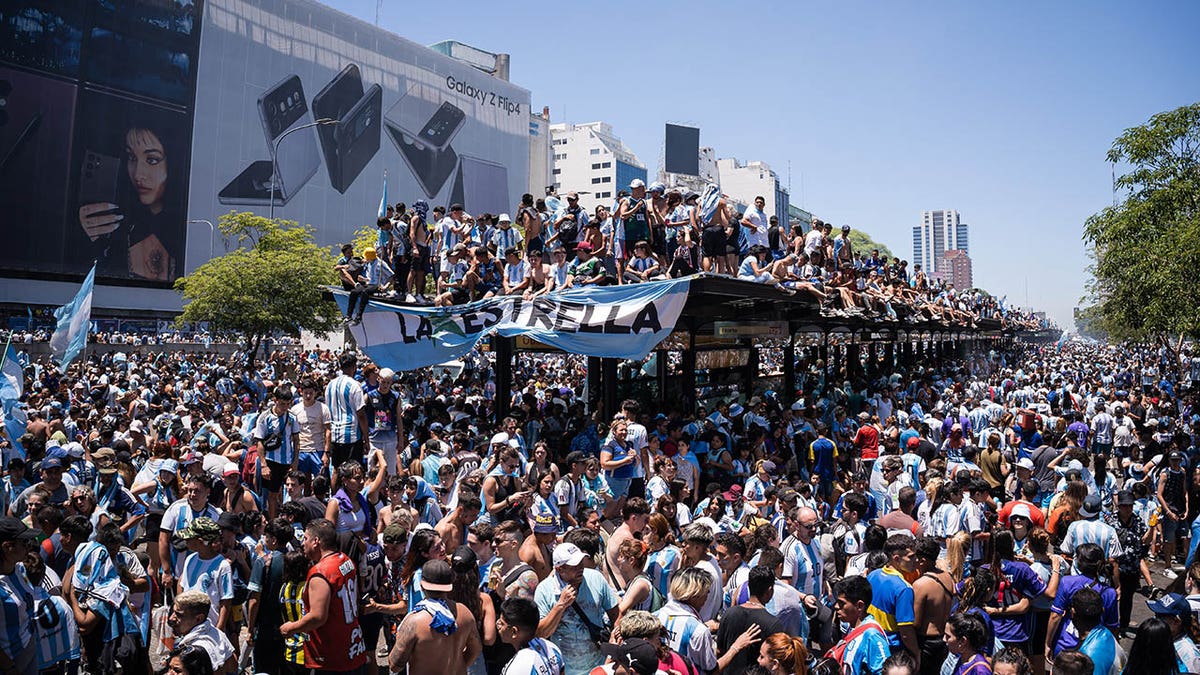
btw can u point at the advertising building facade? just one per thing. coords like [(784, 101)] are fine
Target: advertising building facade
[(129, 125)]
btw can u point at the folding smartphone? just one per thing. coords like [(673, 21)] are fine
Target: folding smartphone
[(349, 145), (481, 186), (432, 168), (281, 109)]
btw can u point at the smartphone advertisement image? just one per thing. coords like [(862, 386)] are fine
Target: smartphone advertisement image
[(125, 123), (322, 107)]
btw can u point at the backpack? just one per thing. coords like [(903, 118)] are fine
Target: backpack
[(656, 597), (569, 230)]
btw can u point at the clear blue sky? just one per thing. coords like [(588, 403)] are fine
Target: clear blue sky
[(1003, 111)]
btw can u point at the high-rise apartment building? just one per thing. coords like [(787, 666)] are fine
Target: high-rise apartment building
[(939, 231), (956, 268), (590, 160)]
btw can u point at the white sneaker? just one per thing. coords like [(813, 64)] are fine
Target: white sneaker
[(410, 299), (1170, 574)]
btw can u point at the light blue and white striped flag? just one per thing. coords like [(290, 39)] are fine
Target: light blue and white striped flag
[(12, 384), (383, 202), (70, 336)]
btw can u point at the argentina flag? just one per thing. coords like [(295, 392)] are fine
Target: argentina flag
[(70, 336)]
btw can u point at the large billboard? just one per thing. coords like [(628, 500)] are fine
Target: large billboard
[(440, 129), (682, 150), (123, 121), (95, 135)]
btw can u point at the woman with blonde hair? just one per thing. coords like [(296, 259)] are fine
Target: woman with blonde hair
[(681, 617), (1065, 510), (783, 654), (958, 547)]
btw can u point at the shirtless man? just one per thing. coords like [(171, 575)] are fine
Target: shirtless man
[(932, 601), (453, 527), (539, 274), (444, 651), (634, 516), (538, 548), (531, 223)]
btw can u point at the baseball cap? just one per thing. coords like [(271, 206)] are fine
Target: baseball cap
[(789, 495), (436, 426), (201, 528), (1125, 498), (637, 183), (436, 575), (567, 554), (1091, 506), (1173, 604), (583, 246), (51, 463), (395, 534), (635, 653), (230, 469), (499, 439), (169, 465), (545, 523), (736, 409), (1026, 463), (464, 559), (914, 442), (769, 467), (1175, 454), (190, 458), (12, 529), (572, 195)]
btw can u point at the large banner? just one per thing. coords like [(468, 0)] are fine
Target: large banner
[(96, 111), (624, 322)]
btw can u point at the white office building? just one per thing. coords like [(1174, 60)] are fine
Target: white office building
[(744, 182), (590, 160), (939, 231)]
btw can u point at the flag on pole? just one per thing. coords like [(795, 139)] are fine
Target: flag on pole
[(70, 336), (383, 202), (29, 310), (12, 384)]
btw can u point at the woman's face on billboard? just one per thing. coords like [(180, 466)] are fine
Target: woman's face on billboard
[(146, 163)]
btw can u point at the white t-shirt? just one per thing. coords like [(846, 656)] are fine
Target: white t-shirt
[(313, 421)]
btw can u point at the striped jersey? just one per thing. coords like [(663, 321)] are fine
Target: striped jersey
[(178, 516), (541, 657), (271, 427), (505, 239), (660, 565), (688, 636), (945, 522), (213, 576), (344, 396), (292, 605), (17, 602), (58, 634), (1095, 532), (803, 565)]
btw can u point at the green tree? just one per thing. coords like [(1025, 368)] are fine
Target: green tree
[(1146, 249), (863, 243), (271, 283)]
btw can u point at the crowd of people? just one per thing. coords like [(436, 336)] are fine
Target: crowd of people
[(447, 256), (178, 513)]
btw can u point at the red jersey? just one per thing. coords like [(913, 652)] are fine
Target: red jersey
[(338, 645)]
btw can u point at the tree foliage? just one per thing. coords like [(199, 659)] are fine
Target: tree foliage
[(1146, 249), (863, 243), (270, 283)]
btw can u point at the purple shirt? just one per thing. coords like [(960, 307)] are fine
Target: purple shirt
[(1019, 580), (1068, 637)]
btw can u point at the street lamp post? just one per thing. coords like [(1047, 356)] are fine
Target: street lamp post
[(212, 233), (275, 154)]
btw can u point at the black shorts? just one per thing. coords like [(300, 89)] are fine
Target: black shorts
[(712, 242), (278, 474), (340, 453), (371, 625), (535, 244)]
